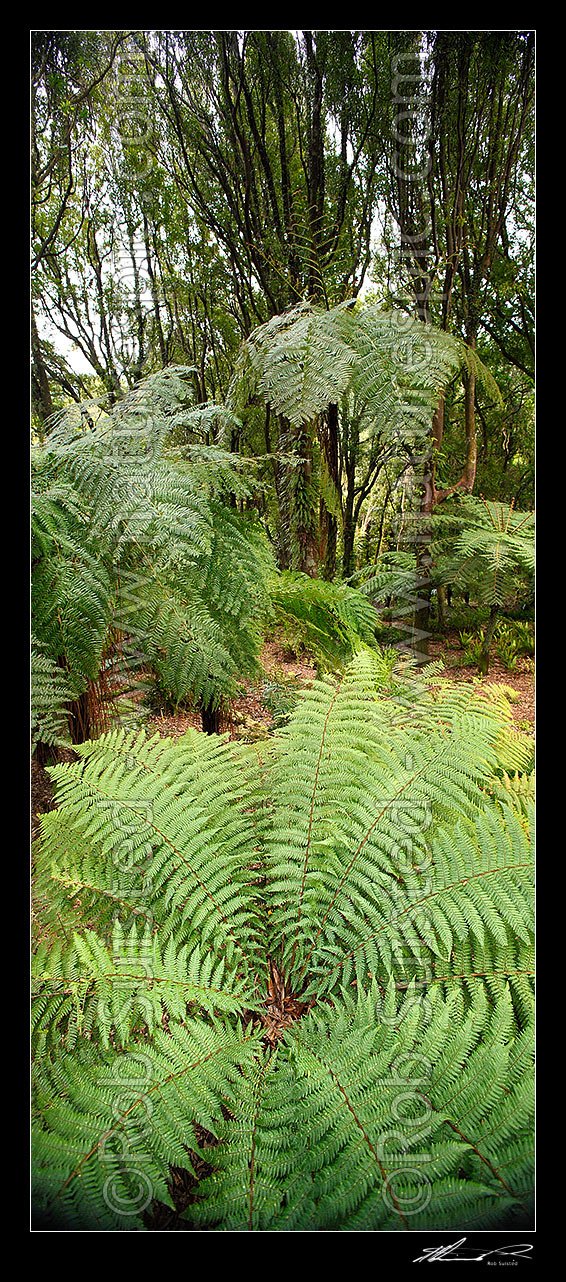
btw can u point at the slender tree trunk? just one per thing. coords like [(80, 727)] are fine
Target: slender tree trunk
[(328, 519), (442, 606), (284, 554), (421, 618), (483, 664), (303, 512), (349, 525), (469, 475), (41, 394)]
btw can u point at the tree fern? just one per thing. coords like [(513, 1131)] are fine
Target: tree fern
[(395, 366), (311, 970), (489, 546), (134, 532), (329, 619), (489, 550)]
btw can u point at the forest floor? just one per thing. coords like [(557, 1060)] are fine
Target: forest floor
[(252, 715), (254, 712)]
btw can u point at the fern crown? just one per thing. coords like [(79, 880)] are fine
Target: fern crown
[(306, 972)]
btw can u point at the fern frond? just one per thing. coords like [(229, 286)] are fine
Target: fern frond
[(349, 1126), (51, 693), (133, 531), (106, 1132), (491, 547), (353, 848), (308, 358), (329, 619), (133, 981), (163, 823)]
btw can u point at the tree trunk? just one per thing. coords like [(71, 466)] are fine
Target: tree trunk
[(210, 718), (328, 518), (421, 618), (303, 513), (483, 664), (349, 527), (441, 597), (330, 545), (469, 475)]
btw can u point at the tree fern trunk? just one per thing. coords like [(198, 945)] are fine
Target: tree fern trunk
[(348, 550), (329, 520), (304, 514), (329, 566), (483, 664), (442, 599), (210, 718)]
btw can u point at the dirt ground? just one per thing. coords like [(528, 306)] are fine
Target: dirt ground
[(248, 715), (521, 680)]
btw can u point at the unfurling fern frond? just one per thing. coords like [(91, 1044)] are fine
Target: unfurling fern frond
[(310, 970)]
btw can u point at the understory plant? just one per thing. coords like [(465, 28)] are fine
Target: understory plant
[(328, 620), (142, 558), (300, 970), (488, 549)]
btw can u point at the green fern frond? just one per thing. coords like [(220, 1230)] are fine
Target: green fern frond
[(358, 1130), (490, 548), (155, 819), (308, 358), (330, 620), (354, 801), (392, 576), (51, 693), (105, 1132), (482, 374), (134, 535), (129, 983)]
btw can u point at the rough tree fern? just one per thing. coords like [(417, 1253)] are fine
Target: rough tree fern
[(488, 549), (306, 975), (328, 619), (395, 365), (135, 529)]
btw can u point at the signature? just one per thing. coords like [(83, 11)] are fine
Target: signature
[(457, 1251)]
